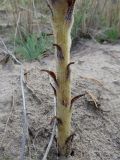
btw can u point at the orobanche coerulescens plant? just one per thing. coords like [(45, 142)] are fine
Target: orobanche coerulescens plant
[(62, 21)]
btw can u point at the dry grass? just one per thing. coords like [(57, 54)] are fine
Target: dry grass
[(93, 16)]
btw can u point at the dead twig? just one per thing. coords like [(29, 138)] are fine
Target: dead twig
[(16, 29), (24, 115), (53, 130), (50, 142), (98, 82), (93, 79), (32, 92), (93, 98)]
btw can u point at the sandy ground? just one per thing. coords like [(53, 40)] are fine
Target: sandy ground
[(97, 71)]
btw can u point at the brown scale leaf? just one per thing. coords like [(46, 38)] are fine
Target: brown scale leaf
[(59, 121), (52, 74), (54, 90), (31, 132), (68, 69), (59, 52), (70, 138), (75, 98), (71, 4), (49, 6)]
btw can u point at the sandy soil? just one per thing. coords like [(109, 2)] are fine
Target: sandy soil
[(97, 71)]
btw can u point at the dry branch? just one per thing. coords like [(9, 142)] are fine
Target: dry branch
[(93, 98), (54, 124), (24, 115)]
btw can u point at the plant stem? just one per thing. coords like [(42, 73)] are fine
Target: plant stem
[(62, 22)]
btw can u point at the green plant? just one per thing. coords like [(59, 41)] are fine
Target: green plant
[(112, 34), (32, 47), (109, 35)]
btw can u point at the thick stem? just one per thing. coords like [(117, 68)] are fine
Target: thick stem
[(62, 21), (64, 89)]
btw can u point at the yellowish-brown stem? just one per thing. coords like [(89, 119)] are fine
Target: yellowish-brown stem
[(62, 21)]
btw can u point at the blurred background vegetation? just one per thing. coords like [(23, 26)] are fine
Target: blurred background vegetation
[(31, 33), (97, 18)]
